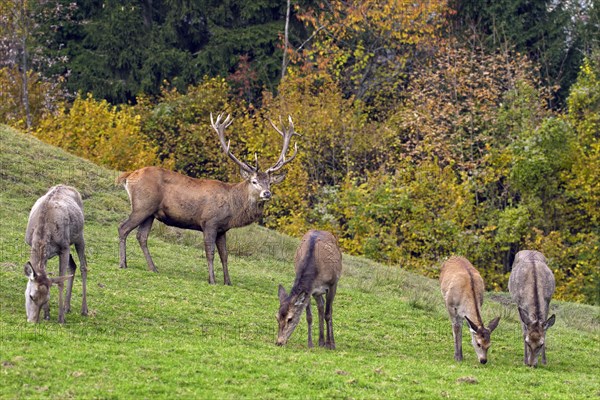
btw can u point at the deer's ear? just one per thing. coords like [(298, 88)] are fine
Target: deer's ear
[(59, 280), (524, 317), (549, 322), (281, 293), (277, 178), (29, 271), (472, 326), (493, 324)]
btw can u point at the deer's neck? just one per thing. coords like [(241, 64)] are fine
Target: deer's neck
[(246, 208), (307, 271)]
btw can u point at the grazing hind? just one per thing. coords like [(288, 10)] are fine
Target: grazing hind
[(531, 285), (462, 288), (55, 223), (318, 265)]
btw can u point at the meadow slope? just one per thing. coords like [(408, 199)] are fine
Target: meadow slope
[(171, 335)]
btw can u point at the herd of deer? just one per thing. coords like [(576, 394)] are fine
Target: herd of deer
[(56, 222)]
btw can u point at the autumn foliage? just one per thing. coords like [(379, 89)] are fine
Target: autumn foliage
[(416, 144)]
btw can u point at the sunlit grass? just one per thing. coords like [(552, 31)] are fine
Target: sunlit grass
[(171, 335)]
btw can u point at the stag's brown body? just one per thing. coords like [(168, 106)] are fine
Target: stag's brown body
[(463, 288), (318, 266), (207, 205)]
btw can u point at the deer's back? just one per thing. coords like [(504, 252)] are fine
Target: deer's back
[(177, 199), (319, 257), (531, 283), (56, 218), (461, 283)]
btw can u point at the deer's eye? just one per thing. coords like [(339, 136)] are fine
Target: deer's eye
[(254, 182), (479, 345)]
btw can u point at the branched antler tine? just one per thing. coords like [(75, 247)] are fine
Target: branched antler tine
[(287, 136), (276, 128), (220, 127)]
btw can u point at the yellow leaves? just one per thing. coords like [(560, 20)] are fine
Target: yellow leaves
[(99, 132)]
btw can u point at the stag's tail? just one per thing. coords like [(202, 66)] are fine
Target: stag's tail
[(122, 178)]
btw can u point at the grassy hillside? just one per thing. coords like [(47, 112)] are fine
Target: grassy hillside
[(172, 335)]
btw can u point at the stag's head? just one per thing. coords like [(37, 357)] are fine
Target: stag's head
[(481, 337), (535, 335), (259, 181), (37, 291), (288, 316)]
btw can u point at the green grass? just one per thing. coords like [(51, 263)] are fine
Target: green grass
[(171, 335)]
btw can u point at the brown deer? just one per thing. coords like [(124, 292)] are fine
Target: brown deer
[(55, 223), (531, 285), (462, 288), (318, 265), (207, 205)]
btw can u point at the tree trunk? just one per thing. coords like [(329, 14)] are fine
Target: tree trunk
[(24, 78), (285, 40)]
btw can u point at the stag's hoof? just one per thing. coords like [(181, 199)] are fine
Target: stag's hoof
[(330, 346)]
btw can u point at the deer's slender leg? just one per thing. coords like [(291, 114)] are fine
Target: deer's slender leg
[(72, 270), (63, 265), (142, 237), (525, 347), (222, 248), (544, 354), (210, 237), (125, 229), (330, 342), (80, 248), (321, 309), (457, 333), (309, 320)]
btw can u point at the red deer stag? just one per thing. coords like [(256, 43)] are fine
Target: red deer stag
[(318, 265), (531, 285), (462, 288), (207, 205), (55, 223)]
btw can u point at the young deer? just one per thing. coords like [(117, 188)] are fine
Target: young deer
[(531, 285), (462, 288), (206, 205), (318, 265), (55, 223)]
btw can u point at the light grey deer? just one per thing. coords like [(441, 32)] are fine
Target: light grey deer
[(462, 288), (206, 205), (531, 285), (318, 265), (55, 223)]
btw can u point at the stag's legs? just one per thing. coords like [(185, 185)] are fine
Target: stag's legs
[(80, 248), (457, 333), (309, 320), (209, 249), (321, 308), (142, 237), (72, 269), (222, 248), (330, 342), (124, 230)]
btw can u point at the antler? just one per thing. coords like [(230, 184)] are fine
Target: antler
[(220, 127), (287, 136)]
